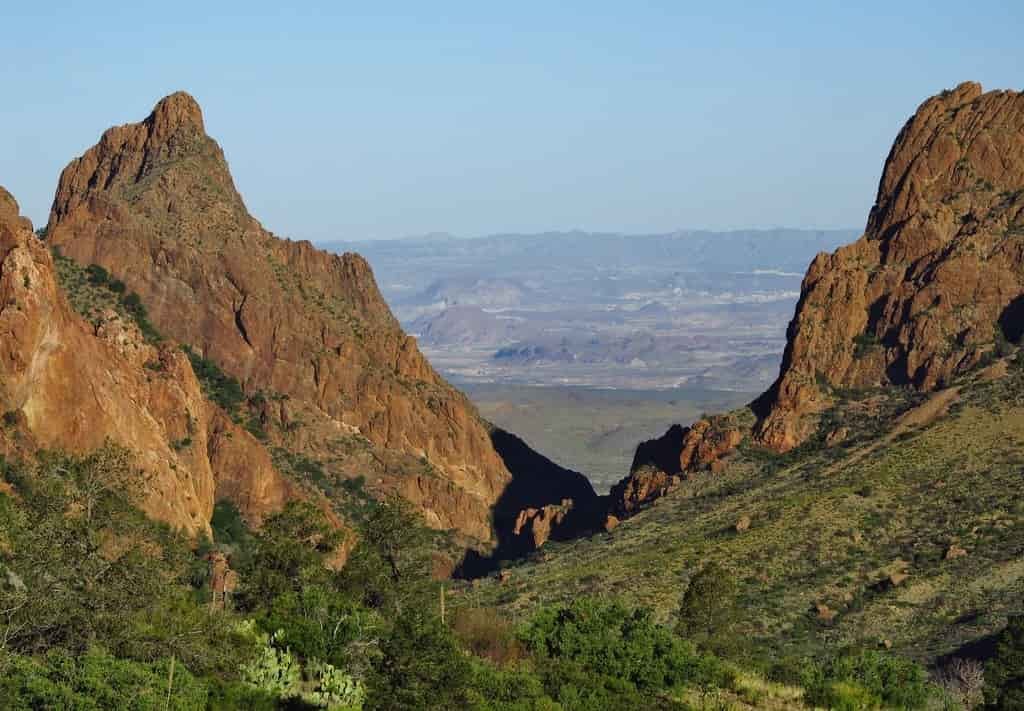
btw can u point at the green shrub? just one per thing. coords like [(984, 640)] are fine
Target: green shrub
[(891, 680), (288, 555), (390, 567), (254, 426), (606, 639), (708, 609), (1004, 673), (96, 680), (320, 622), (494, 689), (97, 275), (228, 525), (132, 304), (355, 486), (421, 666), (218, 386), (179, 445), (848, 696)]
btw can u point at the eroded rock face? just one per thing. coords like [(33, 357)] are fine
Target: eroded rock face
[(936, 278), (641, 487), (661, 463), (706, 442), (154, 203), (72, 385), (537, 525)]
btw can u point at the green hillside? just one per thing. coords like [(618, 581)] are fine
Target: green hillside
[(909, 533)]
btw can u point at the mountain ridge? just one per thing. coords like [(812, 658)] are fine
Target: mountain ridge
[(927, 293), (307, 334)]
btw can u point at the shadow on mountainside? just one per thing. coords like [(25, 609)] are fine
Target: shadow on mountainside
[(662, 453), (536, 482), (1011, 321)]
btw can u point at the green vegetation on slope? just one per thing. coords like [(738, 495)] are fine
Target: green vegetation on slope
[(909, 533), (92, 290), (219, 387), (104, 608), (100, 604)]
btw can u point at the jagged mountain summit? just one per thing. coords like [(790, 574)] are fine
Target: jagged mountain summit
[(936, 279), (931, 290), (327, 369)]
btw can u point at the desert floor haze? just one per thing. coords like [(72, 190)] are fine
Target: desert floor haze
[(680, 457)]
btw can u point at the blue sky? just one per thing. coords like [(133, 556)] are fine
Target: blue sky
[(366, 120)]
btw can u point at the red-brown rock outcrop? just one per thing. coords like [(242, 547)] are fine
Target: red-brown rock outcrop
[(659, 464), (69, 384), (936, 279), (154, 203), (536, 525)]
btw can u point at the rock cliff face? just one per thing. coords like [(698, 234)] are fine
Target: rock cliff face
[(535, 526), (936, 279), (659, 464), (70, 384), (155, 205), (933, 285)]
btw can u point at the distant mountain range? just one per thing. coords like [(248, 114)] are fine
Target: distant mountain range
[(780, 249), (600, 309)]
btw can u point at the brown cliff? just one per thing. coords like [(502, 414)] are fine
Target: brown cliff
[(661, 463), (933, 285), (936, 279), (69, 384), (535, 526), (154, 203)]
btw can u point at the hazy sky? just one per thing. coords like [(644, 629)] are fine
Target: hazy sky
[(363, 120)]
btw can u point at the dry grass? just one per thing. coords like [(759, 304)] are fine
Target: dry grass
[(829, 526), (749, 691)]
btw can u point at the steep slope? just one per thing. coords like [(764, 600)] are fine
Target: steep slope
[(933, 288), (938, 276), (910, 532), (70, 384), (306, 332), (877, 499)]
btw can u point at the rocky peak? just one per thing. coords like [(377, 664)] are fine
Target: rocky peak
[(933, 285), (154, 204), (173, 113), (9, 210), (936, 279), (166, 163), (10, 213)]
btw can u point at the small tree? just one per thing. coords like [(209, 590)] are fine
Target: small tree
[(708, 610), (421, 666), (290, 552), (1004, 673), (391, 563)]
